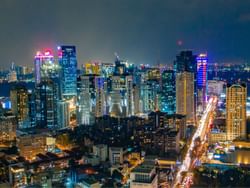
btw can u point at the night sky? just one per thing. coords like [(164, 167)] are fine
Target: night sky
[(141, 31)]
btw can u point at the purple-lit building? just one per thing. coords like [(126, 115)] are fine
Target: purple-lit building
[(41, 61), (201, 81)]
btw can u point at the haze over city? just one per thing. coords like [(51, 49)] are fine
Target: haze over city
[(141, 31)]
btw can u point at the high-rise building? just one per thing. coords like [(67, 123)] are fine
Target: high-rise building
[(44, 65), (46, 102), (68, 71), (100, 97), (185, 96), (83, 104), (8, 125), (20, 106), (236, 97), (122, 100), (201, 82), (186, 62), (63, 114), (150, 91), (168, 96)]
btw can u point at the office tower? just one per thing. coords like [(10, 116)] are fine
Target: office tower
[(32, 108), (68, 71), (185, 96), (63, 114), (120, 68), (168, 96), (44, 65), (150, 90), (93, 67), (117, 97), (83, 106), (236, 96), (137, 100), (186, 62), (20, 108), (46, 100), (122, 103), (100, 97), (201, 82), (130, 96), (8, 125)]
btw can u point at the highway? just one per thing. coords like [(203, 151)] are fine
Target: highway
[(199, 133)]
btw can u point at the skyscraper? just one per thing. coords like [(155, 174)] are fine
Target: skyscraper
[(20, 106), (186, 62), (44, 65), (185, 96), (46, 104), (236, 96), (68, 71), (201, 82), (168, 96), (83, 105), (100, 97), (63, 114)]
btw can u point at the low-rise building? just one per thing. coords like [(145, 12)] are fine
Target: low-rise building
[(101, 150), (116, 155), (144, 176)]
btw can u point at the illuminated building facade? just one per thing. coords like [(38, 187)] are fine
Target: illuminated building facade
[(68, 71), (201, 81), (144, 175), (185, 96), (168, 96), (150, 95), (31, 145), (44, 65), (186, 62), (100, 106), (8, 125), (236, 97), (19, 105), (83, 107), (46, 104), (63, 114)]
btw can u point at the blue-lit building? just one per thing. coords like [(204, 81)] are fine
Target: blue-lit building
[(168, 95), (46, 104), (201, 81), (68, 71)]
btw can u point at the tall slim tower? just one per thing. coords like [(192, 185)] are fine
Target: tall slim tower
[(236, 111), (186, 62), (201, 82), (100, 97), (46, 104), (83, 107), (168, 95), (20, 105), (185, 96), (68, 71)]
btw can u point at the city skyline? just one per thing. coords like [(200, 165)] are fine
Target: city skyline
[(148, 32)]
